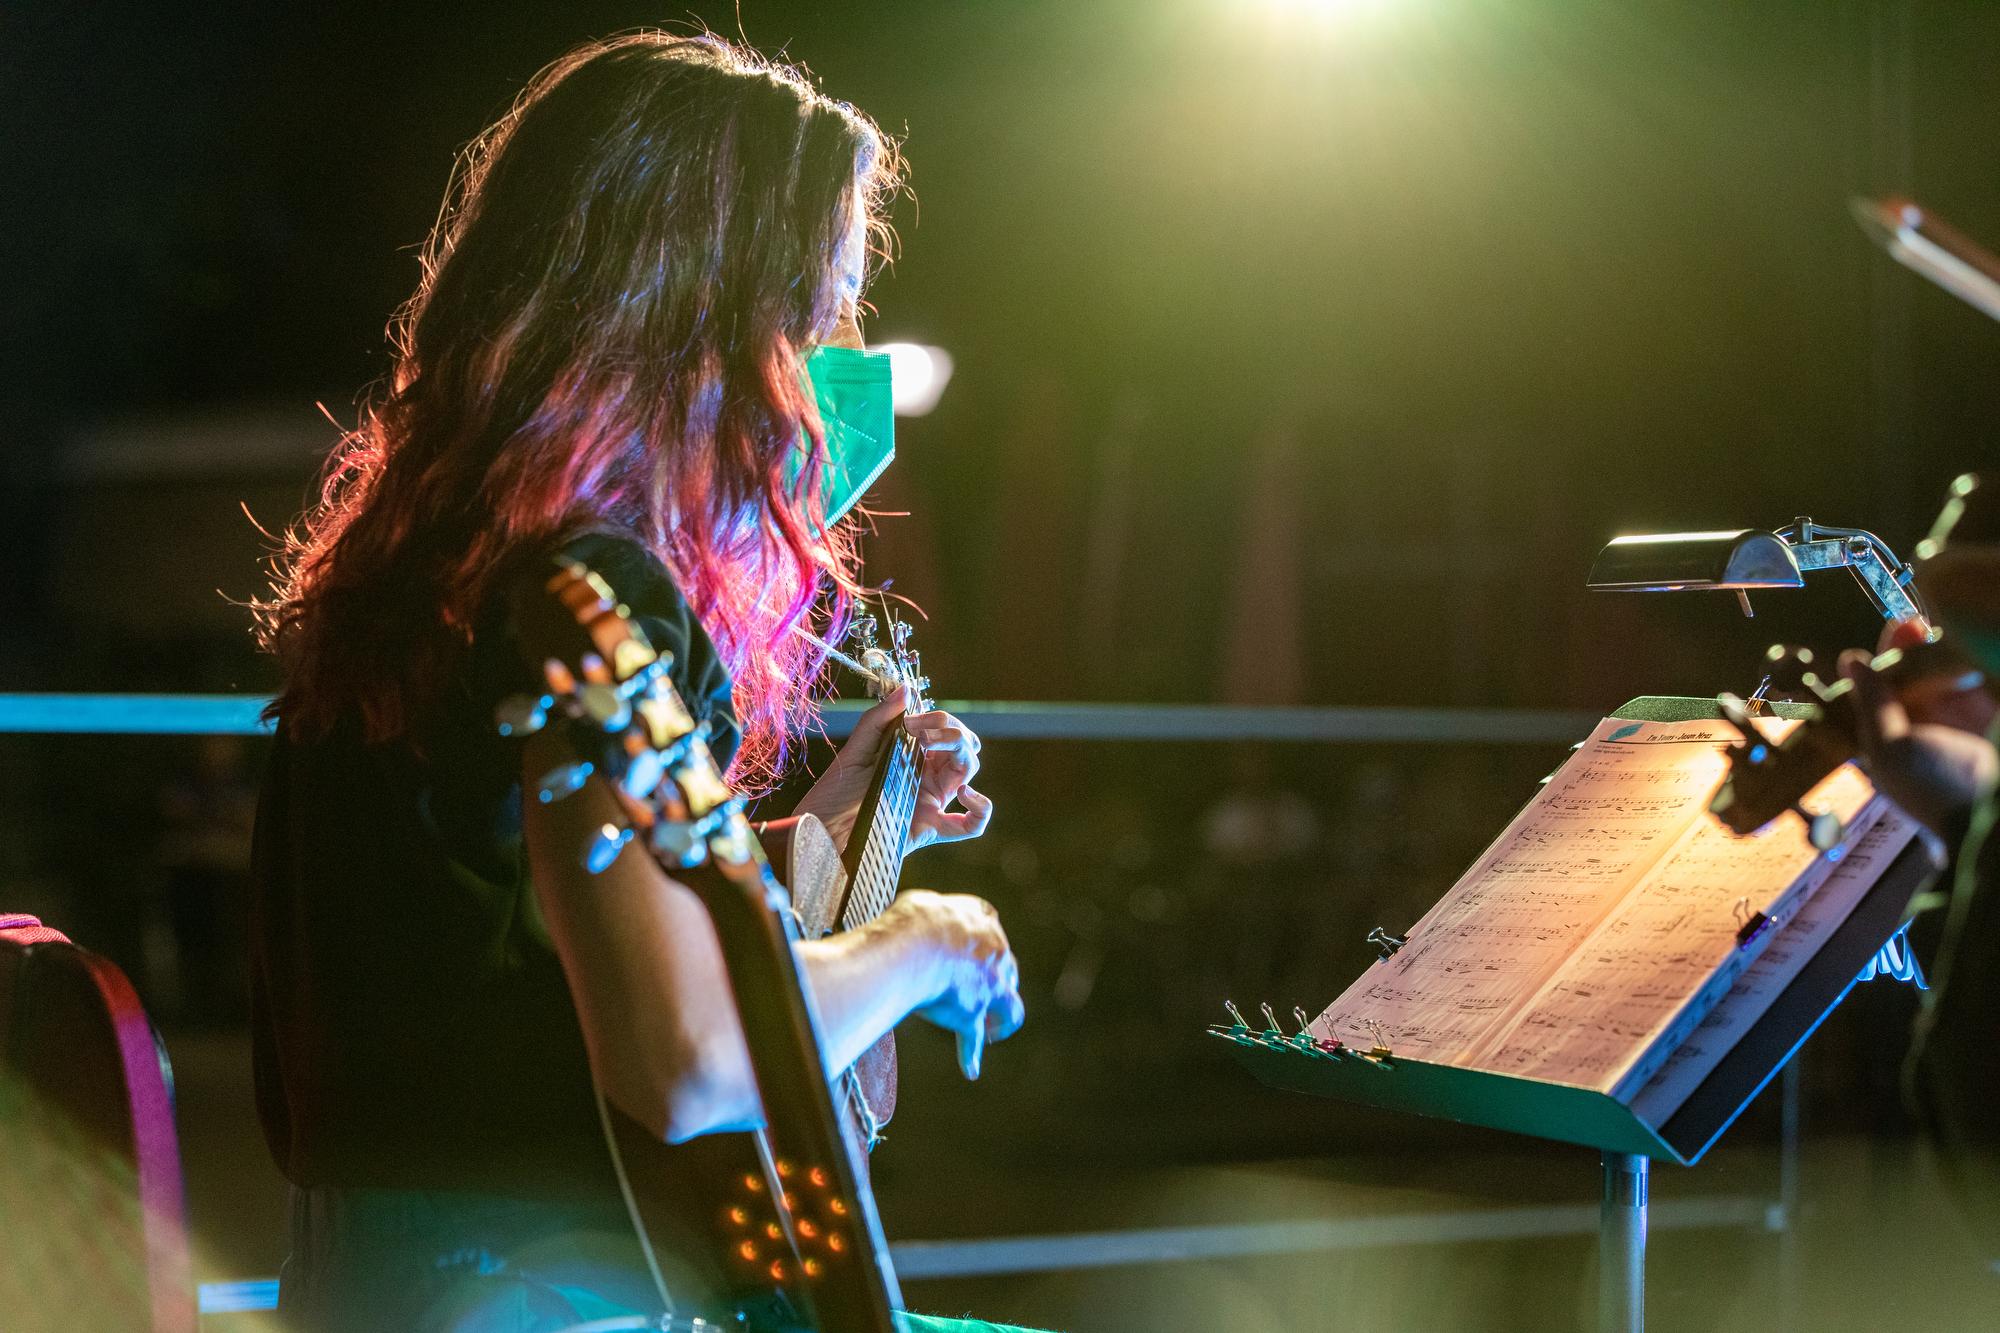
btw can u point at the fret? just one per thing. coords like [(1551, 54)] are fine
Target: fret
[(881, 861)]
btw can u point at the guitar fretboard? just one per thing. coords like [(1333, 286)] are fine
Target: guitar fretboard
[(881, 863)]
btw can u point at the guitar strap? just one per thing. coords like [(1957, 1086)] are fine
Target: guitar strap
[(631, 1202)]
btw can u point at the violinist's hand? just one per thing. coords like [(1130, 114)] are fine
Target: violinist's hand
[(1940, 697), (950, 753), (1932, 770)]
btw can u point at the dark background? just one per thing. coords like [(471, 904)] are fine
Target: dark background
[(1306, 353), (1520, 276)]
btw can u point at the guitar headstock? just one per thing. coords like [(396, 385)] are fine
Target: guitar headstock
[(610, 688), (1769, 777), (886, 666)]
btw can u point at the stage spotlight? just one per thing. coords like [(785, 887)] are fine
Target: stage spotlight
[(920, 375), (1325, 11)]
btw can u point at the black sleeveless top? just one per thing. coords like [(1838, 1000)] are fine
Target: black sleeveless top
[(412, 1026)]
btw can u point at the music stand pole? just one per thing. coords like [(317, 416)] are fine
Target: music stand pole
[(1621, 1245)]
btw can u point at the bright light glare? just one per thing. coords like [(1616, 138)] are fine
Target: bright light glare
[(920, 375), (1327, 6), (1324, 13)]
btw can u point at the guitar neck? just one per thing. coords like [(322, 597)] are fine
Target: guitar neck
[(874, 855)]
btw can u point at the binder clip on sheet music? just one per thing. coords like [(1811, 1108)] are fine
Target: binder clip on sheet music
[(1303, 1042)]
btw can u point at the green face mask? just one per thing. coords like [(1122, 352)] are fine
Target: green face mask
[(858, 412)]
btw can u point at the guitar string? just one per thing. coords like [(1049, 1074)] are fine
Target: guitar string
[(872, 868), (905, 774), (872, 872), (879, 868)]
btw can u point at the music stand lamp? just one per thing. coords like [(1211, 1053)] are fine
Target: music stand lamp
[(1748, 560)]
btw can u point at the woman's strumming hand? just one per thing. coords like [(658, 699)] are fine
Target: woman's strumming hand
[(974, 982)]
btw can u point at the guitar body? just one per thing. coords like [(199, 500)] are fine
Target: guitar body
[(684, 1192)]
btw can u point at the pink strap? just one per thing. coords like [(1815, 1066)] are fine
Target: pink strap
[(155, 1145), (169, 1268), (20, 928)]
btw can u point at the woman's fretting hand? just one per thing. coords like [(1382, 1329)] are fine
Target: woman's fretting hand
[(975, 984), (950, 753)]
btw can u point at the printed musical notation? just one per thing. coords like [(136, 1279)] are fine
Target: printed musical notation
[(1605, 915), (1689, 1060)]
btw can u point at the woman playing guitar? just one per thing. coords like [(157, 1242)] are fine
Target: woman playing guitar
[(614, 356)]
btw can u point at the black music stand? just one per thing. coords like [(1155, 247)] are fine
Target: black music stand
[(1627, 1141)]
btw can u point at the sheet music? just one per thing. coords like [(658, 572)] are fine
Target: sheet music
[(1758, 988), (1671, 944), (1598, 918), (1630, 794)]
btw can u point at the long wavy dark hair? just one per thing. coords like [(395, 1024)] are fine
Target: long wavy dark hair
[(609, 330)]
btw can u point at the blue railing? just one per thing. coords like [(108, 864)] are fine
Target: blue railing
[(242, 715)]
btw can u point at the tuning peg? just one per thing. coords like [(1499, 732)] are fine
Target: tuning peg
[(1792, 673), (680, 843), (734, 844), (605, 705), (643, 772), (862, 630), (604, 848), (522, 714), (563, 780), (899, 633)]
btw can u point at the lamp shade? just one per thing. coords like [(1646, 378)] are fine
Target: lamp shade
[(1672, 561)]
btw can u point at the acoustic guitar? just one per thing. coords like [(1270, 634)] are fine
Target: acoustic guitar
[(774, 1229)]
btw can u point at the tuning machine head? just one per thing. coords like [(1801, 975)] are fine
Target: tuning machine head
[(522, 714), (1791, 672)]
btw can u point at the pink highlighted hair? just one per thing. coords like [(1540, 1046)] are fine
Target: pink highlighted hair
[(609, 331)]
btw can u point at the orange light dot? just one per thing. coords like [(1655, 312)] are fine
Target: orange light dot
[(838, 1207), (740, 1216), (791, 1204), (817, 1177), (771, 1230), (748, 1251), (777, 1271), (754, 1185), (784, 1169), (807, 1229), (835, 1243), (812, 1268)]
